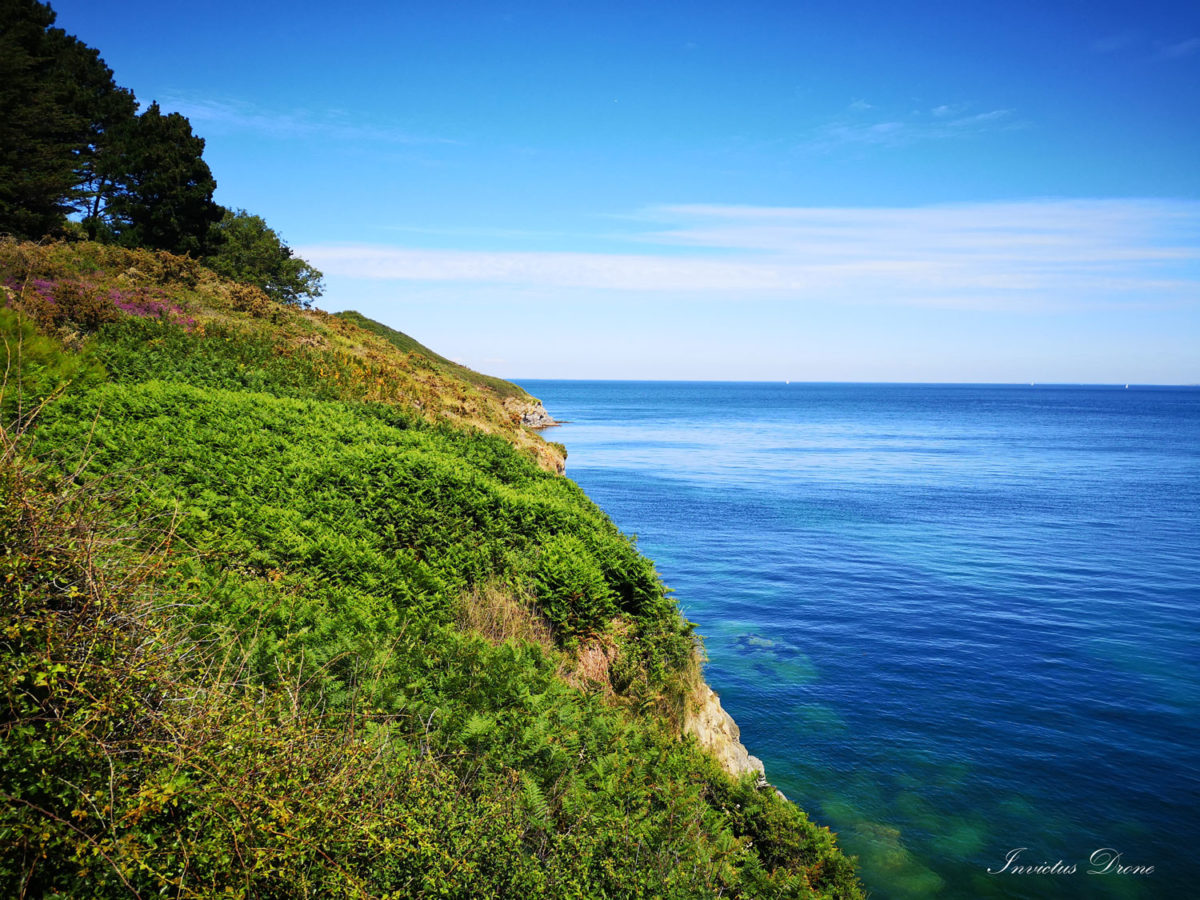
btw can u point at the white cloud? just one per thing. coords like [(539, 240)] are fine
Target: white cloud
[(1158, 49), (236, 115), (1035, 255), (860, 126), (622, 272)]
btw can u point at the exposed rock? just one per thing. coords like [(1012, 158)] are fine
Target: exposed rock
[(531, 413), (719, 735), (537, 417)]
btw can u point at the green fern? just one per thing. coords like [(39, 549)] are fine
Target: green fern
[(534, 802)]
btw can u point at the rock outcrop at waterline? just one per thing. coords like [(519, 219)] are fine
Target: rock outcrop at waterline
[(532, 414), (714, 728), (717, 733)]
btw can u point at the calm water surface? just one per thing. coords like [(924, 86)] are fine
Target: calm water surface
[(952, 620)]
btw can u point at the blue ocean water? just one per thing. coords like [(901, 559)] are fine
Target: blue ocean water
[(953, 620)]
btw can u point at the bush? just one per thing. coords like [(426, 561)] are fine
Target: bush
[(248, 251), (37, 368), (571, 588)]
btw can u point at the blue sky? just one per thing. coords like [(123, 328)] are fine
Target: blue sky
[(816, 191)]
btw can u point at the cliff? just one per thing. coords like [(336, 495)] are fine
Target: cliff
[(530, 412), (717, 732), (294, 610)]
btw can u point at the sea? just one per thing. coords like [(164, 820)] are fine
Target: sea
[(960, 624)]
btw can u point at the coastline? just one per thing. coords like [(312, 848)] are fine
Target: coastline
[(705, 718), (530, 413), (390, 513), (718, 733)]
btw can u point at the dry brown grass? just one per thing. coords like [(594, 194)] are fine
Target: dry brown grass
[(498, 614), (495, 612), (591, 667)]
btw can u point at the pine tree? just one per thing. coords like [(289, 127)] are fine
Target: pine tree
[(159, 188), (58, 102)]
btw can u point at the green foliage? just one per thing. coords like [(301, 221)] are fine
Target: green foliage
[(157, 188), (147, 349), (233, 652), (362, 494), (571, 586), (71, 141), (132, 763), (242, 331), (136, 759), (57, 100), (36, 368), (403, 342), (246, 250)]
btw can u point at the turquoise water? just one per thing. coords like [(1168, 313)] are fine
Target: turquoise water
[(952, 620)]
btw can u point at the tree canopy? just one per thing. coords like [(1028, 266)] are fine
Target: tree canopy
[(73, 145), (155, 190), (58, 104), (246, 249)]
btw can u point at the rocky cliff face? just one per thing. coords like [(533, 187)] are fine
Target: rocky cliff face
[(719, 735), (531, 413), (713, 727)]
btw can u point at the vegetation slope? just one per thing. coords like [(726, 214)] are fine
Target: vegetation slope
[(291, 609)]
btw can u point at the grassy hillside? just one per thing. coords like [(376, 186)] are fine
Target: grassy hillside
[(403, 342), (153, 315), (291, 609)]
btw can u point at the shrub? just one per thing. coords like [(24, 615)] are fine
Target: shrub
[(571, 587), (36, 368)]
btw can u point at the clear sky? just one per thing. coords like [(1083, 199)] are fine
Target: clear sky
[(821, 191)]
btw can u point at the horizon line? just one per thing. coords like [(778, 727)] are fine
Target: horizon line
[(1034, 384)]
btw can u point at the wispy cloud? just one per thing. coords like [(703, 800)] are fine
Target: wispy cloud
[(1036, 255), (1112, 43), (1143, 46), (237, 115), (865, 125), (1180, 49)]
